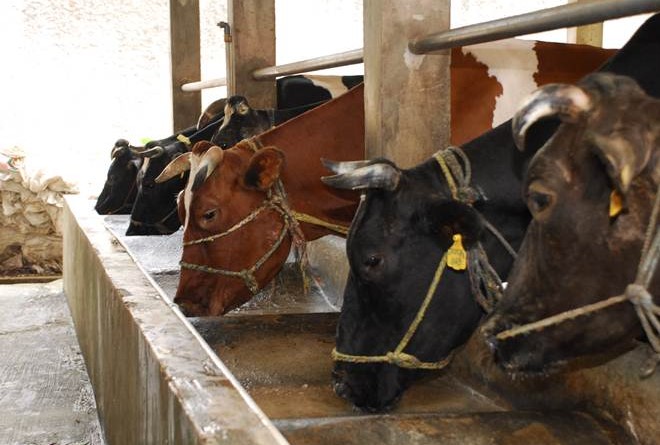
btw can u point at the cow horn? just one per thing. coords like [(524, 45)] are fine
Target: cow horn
[(115, 151), (380, 175), (214, 109), (119, 145), (339, 168), (136, 150), (176, 167), (211, 159), (153, 152), (567, 102)]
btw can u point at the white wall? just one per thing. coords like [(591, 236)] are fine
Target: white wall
[(78, 74)]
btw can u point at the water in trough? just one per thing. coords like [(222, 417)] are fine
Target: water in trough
[(278, 347)]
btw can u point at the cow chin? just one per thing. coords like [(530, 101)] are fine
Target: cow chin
[(582, 342), (370, 387), (203, 295)]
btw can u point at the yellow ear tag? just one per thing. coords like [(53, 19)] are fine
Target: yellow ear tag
[(184, 139), (616, 203), (456, 255)]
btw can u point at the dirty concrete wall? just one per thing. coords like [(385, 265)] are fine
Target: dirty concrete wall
[(154, 380)]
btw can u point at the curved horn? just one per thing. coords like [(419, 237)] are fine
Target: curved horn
[(211, 159), (176, 167), (153, 152), (136, 150), (119, 145), (378, 176), (214, 109), (338, 167), (567, 102)]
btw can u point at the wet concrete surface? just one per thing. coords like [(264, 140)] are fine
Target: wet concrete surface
[(45, 393)]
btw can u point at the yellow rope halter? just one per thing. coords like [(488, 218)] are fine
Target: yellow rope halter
[(398, 357)]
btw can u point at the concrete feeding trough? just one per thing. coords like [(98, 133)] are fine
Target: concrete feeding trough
[(261, 375)]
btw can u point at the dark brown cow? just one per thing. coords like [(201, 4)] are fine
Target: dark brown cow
[(591, 191)]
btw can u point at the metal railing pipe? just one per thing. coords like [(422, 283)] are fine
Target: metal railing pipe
[(574, 14), (319, 63), (204, 84)]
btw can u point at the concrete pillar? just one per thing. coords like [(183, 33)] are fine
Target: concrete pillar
[(407, 102), (253, 46), (185, 61)]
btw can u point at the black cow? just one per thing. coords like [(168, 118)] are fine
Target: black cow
[(295, 95), (591, 190), (120, 189), (406, 224), (154, 212)]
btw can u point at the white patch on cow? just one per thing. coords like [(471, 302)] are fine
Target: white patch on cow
[(418, 17), (513, 63), (333, 84), (195, 160), (412, 61)]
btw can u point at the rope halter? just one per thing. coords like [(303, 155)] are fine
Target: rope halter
[(485, 284), (636, 293), (276, 200)]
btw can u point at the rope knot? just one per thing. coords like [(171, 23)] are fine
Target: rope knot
[(639, 296)]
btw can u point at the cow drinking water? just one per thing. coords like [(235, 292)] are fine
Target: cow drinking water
[(405, 226), (119, 189), (593, 193)]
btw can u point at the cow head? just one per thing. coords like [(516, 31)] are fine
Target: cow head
[(119, 190), (590, 190), (240, 122), (155, 211), (402, 229), (230, 225)]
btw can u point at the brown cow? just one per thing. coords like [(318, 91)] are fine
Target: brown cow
[(591, 190), (486, 80), (235, 192)]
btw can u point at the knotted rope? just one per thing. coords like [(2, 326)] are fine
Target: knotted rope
[(485, 284), (398, 357), (636, 293)]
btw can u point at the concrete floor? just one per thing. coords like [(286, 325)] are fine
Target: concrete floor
[(45, 393)]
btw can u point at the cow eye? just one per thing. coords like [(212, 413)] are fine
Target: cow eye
[(538, 200), (209, 215), (373, 261)]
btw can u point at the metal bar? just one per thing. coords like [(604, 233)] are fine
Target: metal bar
[(575, 14), (204, 84), (334, 60)]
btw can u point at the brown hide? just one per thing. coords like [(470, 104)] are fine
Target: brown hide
[(576, 250), (334, 130), (474, 90)]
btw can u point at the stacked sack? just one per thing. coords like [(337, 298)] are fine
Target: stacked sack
[(30, 231)]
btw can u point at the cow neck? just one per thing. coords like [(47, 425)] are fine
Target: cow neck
[(636, 293), (334, 130)]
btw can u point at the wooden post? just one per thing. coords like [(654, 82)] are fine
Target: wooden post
[(407, 101), (185, 61), (587, 34), (253, 46)]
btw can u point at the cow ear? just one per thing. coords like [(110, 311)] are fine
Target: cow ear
[(446, 219), (264, 169), (624, 156), (176, 167)]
